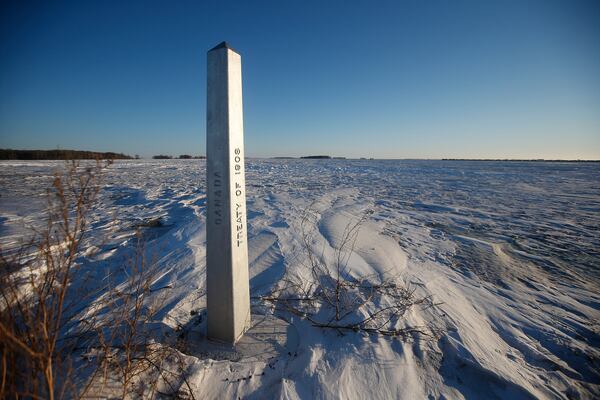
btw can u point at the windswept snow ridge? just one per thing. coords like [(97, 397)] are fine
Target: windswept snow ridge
[(509, 252)]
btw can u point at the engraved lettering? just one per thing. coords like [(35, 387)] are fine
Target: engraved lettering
[(218, 198)]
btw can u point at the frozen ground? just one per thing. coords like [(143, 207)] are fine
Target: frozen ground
[(510, 251)]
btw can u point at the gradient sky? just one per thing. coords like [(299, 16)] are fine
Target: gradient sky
[(399, 79)]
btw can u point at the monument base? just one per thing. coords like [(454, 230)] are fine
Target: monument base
[(267, 337)]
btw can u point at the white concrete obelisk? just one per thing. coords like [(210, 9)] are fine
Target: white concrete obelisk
[(228, 293)]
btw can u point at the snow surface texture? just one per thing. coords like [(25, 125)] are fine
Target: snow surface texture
[(510, 250)]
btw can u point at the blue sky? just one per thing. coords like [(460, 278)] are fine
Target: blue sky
[(399, 79)]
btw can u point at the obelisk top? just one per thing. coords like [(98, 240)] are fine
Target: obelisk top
[(223, 45)]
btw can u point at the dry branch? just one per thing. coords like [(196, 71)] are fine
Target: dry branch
[(332, 299)]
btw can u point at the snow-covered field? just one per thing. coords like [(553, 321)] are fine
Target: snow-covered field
[(509, 252)]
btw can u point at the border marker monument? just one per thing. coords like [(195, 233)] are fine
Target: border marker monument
[(228, 292)]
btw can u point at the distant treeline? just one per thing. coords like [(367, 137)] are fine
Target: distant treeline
[(181, 157), (9, 154), (317, 157)]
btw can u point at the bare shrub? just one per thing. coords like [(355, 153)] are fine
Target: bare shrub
[(127, 356), (34, 283), (43, 334), (331, 298)]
